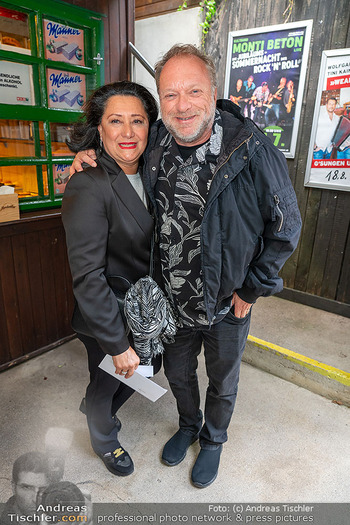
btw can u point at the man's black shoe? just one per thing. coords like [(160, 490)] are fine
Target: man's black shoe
[(118, 462), (175, 449), (206, 467), (82, 409)]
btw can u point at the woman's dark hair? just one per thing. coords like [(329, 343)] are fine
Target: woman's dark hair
[(85, 134)]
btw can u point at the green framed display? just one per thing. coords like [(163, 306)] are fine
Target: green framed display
[(49, 63)]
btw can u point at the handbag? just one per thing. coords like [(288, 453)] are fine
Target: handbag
[(150, 317), (146, 313)]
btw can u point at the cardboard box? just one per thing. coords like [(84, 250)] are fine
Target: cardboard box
[(9, 209)]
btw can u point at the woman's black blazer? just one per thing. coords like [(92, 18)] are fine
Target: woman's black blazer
[(108, 233)]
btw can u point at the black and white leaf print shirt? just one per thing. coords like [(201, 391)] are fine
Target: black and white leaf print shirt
[(181, 193)]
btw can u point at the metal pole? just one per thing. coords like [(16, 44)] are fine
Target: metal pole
[(141, 59)]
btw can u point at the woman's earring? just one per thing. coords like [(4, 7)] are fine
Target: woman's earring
[(101, 143)]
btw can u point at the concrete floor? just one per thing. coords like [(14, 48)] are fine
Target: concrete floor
[(285, 443), (308, 331)]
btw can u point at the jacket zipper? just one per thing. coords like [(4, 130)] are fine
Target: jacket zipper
[(232, 152), (217, 169), (277, 201)]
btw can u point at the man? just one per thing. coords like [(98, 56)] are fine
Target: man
[(228, 220), (326, 127), (289, 99), (239, 94), (30, 476), (260, 98), (249, 86), (275, 100)]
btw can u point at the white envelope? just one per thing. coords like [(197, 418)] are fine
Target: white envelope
[(138, 382), (145, 370)]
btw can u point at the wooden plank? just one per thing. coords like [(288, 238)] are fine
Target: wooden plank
[(32, 241), (337, 246), (36, 353), (107, 44), (34, 224), (47, 240), (289, 270), (25, 306), (161, 7), (120, 32), (70, 297), (10, 300), (58, 275), (114, 40), (123, 40), (131, 34), (307, 240), (343, 292), (142, 3), (36, 299), (308, 199), (335, 307), (5, 355), (321, 243), (340, 26)]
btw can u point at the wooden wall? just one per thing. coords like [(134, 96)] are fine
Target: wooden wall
[(118, 32), (36, 300), (319, 271), (148, 8)]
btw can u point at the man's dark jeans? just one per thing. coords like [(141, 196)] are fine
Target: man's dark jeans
[(224, 344)]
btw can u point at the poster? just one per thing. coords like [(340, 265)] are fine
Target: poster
[(66, 90), (265, 76), (60, 177), (328, 163), (63, 43), (16, 83)]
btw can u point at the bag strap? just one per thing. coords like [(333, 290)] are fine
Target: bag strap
[(151, 257)]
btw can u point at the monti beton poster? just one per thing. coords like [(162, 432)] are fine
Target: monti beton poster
[(265, 76)]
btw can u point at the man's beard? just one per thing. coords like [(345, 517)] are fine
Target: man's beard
[(197, 133)]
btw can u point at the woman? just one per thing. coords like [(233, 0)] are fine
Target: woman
[(108, 234)]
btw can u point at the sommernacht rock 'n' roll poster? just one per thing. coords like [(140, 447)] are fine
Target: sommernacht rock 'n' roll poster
[(265, 77)]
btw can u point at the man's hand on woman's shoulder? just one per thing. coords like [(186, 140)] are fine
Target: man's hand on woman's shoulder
[(88, 156)]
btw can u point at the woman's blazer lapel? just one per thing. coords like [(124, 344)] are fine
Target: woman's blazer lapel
[(128, 196)]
